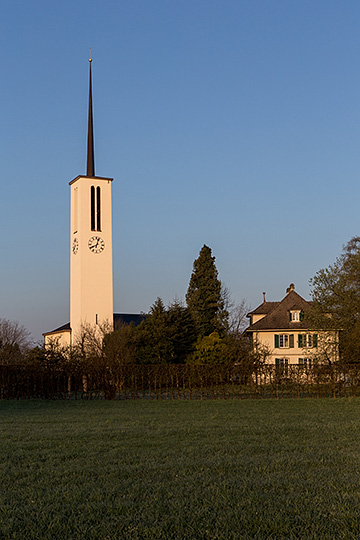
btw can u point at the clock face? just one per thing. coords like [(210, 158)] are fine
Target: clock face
[(75, 246), (96, 244)]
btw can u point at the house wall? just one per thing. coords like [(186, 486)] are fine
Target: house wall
[(255, 318), (326, 345)]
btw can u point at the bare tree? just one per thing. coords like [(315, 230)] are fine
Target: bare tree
[(237, 317), (14, 341), (89, 342), (227, 298)]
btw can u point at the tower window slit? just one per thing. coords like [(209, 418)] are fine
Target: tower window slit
[(75, 211), (92, 207), (98, 209)]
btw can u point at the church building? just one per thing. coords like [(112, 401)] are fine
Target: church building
[(91, 267)]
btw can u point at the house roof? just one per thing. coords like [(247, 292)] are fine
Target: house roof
[(277, 316), (264, 308)]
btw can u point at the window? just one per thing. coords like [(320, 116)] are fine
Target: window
[(282, 365), (92, 204), (95, 207), (296, 315), (282, 361), (307, 340), (98, 206), (305, 362), (284, 341), (75, 211)]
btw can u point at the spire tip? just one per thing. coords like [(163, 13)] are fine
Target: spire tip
[(90, 167)]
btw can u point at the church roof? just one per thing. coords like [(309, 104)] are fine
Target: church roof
[(91, 177), (63, 328), (119, 319), (128, 318)]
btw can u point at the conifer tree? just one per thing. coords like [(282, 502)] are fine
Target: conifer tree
[(204, 297), (154, 341), (182, 331)]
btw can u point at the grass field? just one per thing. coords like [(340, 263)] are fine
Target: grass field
[(183, 469)]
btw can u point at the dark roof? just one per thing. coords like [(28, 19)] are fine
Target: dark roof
[(264, 308), (63, 328), (119, 318), (278, 317), (128, 318), (91, 178)]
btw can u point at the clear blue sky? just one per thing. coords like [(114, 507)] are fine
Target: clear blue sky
[(230, 123)]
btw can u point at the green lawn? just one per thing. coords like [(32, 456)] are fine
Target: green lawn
[(180, 469)]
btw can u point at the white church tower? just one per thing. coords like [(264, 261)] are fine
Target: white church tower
[(91, 279), (91, 273)]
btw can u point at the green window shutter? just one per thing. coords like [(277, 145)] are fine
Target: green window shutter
[(301, 316), (315, 340), (277, 361), (291, 341), (276, 341), (289, 316), (300, 341)]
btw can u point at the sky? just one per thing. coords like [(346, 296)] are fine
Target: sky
[(234, 124)]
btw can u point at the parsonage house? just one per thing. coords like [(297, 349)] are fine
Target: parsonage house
[(279, 331)]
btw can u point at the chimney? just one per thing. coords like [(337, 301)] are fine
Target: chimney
[(264, 293), (290, 288)]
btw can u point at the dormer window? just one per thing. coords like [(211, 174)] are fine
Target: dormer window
[(296, 315)]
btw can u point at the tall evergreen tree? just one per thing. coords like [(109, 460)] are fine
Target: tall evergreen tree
[(154, 345), (204, 297), (182, 331)]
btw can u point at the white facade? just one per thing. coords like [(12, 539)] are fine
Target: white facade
[(91, 275), (287, 346)]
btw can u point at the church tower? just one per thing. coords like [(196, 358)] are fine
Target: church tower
[(91, 271), (91, 279)]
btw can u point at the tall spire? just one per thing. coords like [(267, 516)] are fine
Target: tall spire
[(90, 167)]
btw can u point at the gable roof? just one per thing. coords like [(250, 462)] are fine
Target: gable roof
[(264, 308), (277, 317)]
